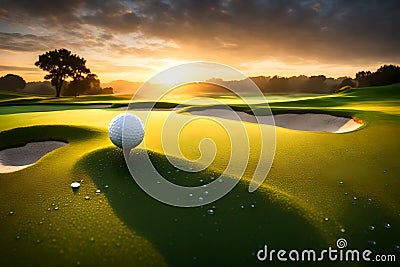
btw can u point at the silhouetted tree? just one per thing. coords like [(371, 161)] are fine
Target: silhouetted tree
[(315, 84), (387, 74), (61, 64), (347, 82), (89, 85), (12, 82)]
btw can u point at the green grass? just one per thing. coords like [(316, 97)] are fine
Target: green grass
[(124, 225)]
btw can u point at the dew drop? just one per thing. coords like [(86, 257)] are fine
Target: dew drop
[(220, 180), (252, 206), (387, 225), (98, 191), (75, 185), (210, 212), (55, 208), (11, 212), (371, 227), (87, 198), (206, 193), (190, 195), (326, 219), (201, 199)]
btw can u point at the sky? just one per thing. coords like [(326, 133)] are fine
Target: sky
[(133, 40)]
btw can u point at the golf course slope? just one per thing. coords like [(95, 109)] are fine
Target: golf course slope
[(322, 185)]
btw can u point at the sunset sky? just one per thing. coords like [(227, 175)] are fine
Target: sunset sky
[(133, 40)]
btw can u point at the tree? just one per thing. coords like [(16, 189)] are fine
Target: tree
[(12, 82), (89, 85), (387, 74), (61, 64), (315, 84), (346, 83)]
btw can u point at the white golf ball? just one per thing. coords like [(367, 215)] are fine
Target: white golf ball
[(128, 126)]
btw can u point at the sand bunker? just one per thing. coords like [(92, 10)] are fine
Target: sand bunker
[(304, 122), (15, 159)]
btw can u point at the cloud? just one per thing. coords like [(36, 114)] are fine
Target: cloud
[(16, 68), (229, 31), (22, 42)]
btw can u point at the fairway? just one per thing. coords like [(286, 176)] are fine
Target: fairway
[(322, 185)]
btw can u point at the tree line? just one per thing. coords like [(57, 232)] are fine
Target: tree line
[(69, 75)]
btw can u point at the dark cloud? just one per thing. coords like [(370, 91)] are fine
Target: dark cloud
[(326, 31), (16, 68), (23, 42)]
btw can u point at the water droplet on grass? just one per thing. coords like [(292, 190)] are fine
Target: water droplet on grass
[(252, 206), (75, 185), (341, 182), (87, 198), (326, 219), (355, 198), (55, 208), (220, 180), (342, 230), (387, 225), (98, 191), (206, 193), (190, 195), (371, 227), (11, 212), (201, 199), (210, 212)]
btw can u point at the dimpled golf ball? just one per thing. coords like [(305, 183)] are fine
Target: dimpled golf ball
[(127, 127)]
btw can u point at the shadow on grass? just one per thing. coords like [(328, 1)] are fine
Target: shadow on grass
[(191, 236)]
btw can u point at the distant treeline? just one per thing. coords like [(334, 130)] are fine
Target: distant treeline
[(387, 74), (90, 84)]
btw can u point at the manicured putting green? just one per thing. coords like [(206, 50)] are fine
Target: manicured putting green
[(322, 186)]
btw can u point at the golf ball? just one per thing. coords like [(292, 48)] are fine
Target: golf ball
[(127, 127)]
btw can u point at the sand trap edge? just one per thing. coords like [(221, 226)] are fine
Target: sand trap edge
[(18, 158)]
